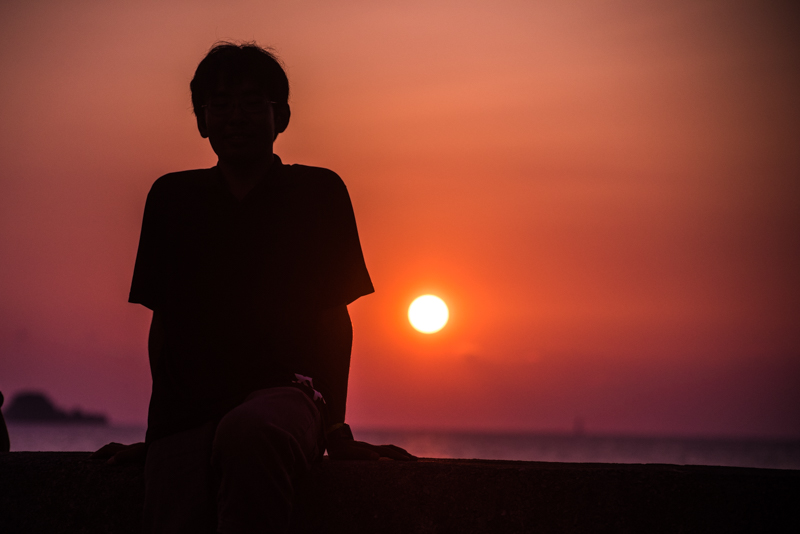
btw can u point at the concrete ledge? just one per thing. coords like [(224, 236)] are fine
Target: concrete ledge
[(67, 492)]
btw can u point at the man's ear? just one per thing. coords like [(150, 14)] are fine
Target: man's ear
[(201, 125), (282, 113)]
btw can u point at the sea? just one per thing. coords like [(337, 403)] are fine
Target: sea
[(538, 447)]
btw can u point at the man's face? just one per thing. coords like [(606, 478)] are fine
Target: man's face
[(239, 122)]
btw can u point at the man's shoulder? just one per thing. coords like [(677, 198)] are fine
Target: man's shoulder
[(185, 179), (182, 185), (315, 179)]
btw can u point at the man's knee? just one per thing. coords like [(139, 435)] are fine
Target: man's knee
[(280, 422), (243, 430)]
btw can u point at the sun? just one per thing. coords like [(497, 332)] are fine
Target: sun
[(428, 314)]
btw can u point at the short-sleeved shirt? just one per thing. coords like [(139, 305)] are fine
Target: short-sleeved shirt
[(239, 284)]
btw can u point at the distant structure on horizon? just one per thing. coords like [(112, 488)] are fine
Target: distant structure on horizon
[(36, 407)]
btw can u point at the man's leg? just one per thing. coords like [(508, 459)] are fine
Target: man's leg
[(260, 447), (178, 495)]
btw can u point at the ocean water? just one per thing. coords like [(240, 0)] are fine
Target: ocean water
[(775, 454), (69, 437)]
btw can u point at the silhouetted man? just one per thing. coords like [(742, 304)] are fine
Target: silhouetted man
[(248, 267)]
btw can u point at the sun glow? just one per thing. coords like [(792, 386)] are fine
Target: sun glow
[(428, 314)]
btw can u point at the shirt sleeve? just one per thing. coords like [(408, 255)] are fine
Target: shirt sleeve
[(346, 280), (147, 287), (347, 268)]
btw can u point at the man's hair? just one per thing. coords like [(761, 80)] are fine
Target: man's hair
[(238, 62)]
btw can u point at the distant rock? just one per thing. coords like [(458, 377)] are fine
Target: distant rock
[(35, 407)]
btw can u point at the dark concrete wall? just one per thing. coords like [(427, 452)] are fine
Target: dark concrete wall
[(67, 492)]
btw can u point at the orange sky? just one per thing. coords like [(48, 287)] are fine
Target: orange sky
[(605, 194)]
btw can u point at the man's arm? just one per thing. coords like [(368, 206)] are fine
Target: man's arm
[(336, 341), (114, 452), (155, 340)]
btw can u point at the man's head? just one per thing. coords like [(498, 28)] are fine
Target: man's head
[(240, 90)]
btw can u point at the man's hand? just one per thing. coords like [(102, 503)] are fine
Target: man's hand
[(117, 453), (360, 450)]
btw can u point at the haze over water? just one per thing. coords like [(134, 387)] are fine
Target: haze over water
[(775, 454)]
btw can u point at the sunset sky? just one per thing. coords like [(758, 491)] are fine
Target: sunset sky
[(605, 194)]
